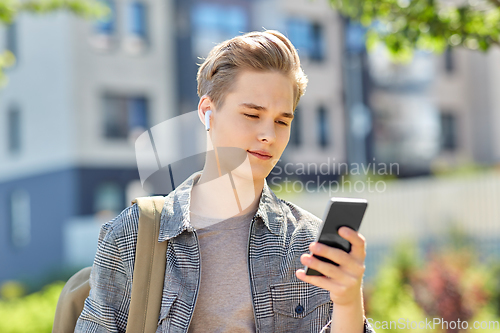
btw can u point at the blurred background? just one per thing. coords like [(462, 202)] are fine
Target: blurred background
[(408, 89)]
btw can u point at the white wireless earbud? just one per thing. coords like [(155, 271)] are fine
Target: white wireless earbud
[(207, 119)]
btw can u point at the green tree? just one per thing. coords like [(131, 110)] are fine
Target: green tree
[(434, 25), (9, 9)]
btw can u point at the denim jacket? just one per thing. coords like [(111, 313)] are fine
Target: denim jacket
[(280, 232)]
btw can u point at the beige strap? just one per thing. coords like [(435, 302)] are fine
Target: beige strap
[(149, 269)]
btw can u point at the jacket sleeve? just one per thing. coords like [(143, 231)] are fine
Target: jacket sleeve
[(106, 307)]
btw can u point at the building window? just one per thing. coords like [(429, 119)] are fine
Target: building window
[(307, 37), (448, 132), (106, 25), (108, 198), (214, 23), (20, 218), (104, 28), (14, 130), (11, 37), (449, 60), (296, 130), (317, 40), (323, 139), (355, 37), (136, 21), (126, 117)]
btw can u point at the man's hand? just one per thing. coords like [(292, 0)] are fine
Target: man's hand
[(343, 281)]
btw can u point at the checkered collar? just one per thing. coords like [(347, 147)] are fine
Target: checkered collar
[(175, 217)]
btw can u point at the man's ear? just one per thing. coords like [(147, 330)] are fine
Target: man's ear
[(204, 105)]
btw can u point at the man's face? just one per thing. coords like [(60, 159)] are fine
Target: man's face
[(256, 116)]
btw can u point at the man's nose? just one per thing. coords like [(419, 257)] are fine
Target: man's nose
[(267, 132)]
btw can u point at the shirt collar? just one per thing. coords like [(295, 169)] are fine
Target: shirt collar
[(175, 217)]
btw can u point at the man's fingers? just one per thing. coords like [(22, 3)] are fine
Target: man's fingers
[(342, 276), (337, 290), (334, 254), (358, 242), (324, 268), (319, 281)]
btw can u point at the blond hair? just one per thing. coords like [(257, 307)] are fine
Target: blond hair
[(261, 51)]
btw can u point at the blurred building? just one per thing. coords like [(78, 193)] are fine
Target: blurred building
[(406, 126), (82, 92), (466, 94), (436, 112), (78, 96)]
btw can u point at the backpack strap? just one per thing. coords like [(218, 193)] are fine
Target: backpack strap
[(149, 268)]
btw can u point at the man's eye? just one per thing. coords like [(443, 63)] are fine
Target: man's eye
[(251, 115), (283, 123)]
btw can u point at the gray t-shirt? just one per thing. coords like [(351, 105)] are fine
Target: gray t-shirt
[(224, 301)]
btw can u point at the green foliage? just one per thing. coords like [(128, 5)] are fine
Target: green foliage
[(452, 286), (9, 9), (452, 283), (7, 59), (462, 170), (12, 290), (496, 289), (405, 25), (33, 313), (392, 297)]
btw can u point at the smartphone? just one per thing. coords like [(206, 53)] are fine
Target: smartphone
[(339, 212)]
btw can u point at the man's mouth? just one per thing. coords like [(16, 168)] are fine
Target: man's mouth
[(260, 154)]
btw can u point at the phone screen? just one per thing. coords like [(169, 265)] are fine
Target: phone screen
[(340, 213)]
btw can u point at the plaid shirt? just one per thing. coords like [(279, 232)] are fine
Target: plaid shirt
[(279, 234)]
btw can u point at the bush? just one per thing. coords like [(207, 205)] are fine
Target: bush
[(12, 290), (33, 313), (452, 284), (391, 297), (496, 290)]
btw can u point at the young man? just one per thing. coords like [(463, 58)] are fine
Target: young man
[(236, 251)]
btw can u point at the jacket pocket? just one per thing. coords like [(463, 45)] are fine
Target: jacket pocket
[(297, 299), (300, 307)]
